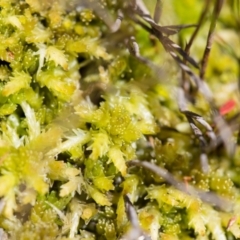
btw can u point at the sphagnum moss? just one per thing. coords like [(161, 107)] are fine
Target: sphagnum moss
[(75, 106)]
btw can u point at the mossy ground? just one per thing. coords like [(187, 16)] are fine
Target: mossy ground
[(76, 106)]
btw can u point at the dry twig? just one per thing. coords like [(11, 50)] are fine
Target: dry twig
[(208, 197), (215, 15)]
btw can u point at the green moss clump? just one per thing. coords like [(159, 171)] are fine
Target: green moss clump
[(75, 107)]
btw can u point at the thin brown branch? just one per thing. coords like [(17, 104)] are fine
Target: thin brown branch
[(199, 25), (208, 197), (135, 231), (189, 44), (215, 15)]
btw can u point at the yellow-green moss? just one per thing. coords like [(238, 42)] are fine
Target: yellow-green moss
[(75, 107)]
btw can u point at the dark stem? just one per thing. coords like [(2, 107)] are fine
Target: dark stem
[(208, 197), (189, 44), (215, 15)]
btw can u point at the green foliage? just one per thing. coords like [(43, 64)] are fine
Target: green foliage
[(75, 107)]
